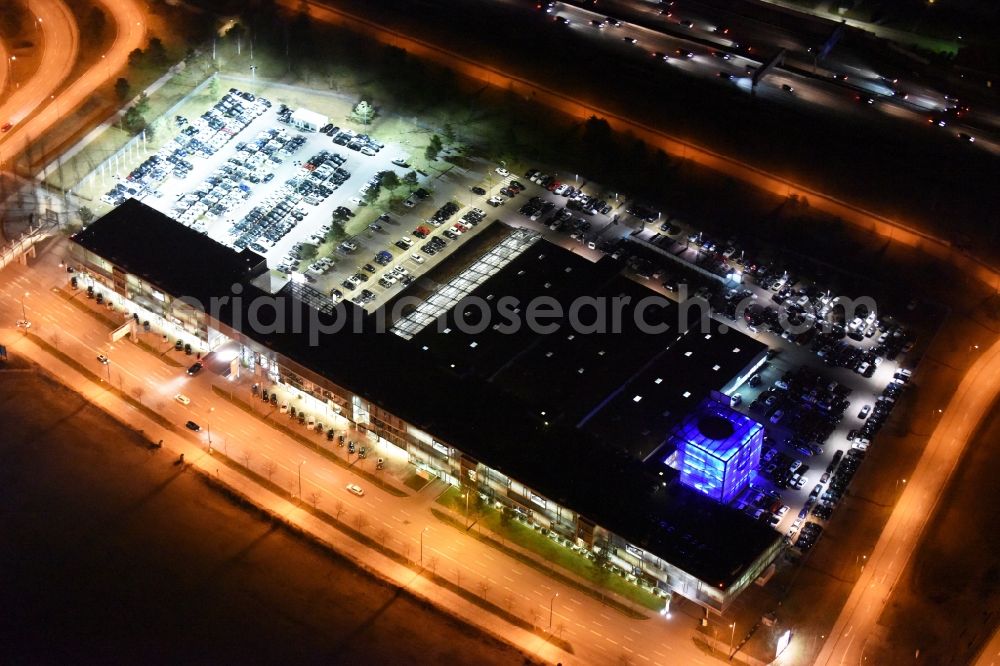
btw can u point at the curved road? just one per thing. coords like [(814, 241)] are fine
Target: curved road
[(3, 69), (129, 18), (968, 406), (60, 40)]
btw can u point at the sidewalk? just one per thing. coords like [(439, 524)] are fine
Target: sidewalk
[(178, 442)]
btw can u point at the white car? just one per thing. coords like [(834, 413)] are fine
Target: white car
[(502, 172), (417, 258), (183, 399), (356, 489)]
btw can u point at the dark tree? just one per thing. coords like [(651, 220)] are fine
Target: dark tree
[(389, 180), (121, 88), (136, 57), (156, 51)]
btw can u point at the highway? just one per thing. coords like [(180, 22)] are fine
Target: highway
[(129, 18), (730, 58), (60, 43), (969, 404)]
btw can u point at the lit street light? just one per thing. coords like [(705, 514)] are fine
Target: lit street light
[(300, 478), (422, 546), (208, 423), (732, 636), (24, 316), (551, 601)]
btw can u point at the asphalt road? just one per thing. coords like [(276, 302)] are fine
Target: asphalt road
[(969, 404), (58, 60), (60, 42), (811, 86)]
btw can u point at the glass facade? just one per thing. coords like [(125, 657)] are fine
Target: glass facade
[(718, 450)]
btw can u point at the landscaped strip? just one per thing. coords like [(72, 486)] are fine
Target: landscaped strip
[(635, 594)]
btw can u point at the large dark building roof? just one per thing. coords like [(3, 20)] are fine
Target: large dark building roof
[(624, 367), (179, 260), (478, 407)]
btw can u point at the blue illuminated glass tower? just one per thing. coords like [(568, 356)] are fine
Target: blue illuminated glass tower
[(718, 450)]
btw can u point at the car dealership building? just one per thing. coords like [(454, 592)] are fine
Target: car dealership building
[(567, 428)]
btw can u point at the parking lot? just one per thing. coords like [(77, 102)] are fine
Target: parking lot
[(244, 174)]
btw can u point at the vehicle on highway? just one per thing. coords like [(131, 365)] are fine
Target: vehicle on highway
[(684, 53), (660, 55), (631, 40), (102, 359), (787, 88), (183, 399), (6, 127), (191, 425), (195, 368), (356, 489)]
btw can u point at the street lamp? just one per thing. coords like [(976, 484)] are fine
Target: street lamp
[(422, 546), (208, 423), (11, 60), (551, 601), (732, 636), (300, 478), (24, 316)]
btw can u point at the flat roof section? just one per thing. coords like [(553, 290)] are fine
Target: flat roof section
[(603, 373), (179, 260)]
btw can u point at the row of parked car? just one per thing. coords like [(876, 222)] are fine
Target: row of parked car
[(351, 140), (199, 138), (576, 197)]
